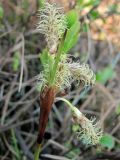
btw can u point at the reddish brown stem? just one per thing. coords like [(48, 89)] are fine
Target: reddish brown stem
[(46, 101)]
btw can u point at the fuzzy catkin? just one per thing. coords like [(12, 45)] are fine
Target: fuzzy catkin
[(82, 73), (89, 131), (52, 23)]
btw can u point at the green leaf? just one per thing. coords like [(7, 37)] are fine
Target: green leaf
[(94, 14), (75, 128), (107, 141), (72, 17), (47, 61), (15, 145), (46, 58), (80, 2), (41, 3), (117, 109), (25, 4), (104, 75), (71, 38), (84, 27), (16, 61), (92, 3), (1, 12), (88, 3)]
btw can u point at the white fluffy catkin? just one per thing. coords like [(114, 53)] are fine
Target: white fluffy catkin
[(52, 23)]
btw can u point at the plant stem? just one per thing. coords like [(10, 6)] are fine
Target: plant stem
[(66, 101), (70, 105), (37, 152)]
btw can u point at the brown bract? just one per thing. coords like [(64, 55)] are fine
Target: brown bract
[(46, 101)]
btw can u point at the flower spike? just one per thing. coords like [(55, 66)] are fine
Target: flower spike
[(52, 24)]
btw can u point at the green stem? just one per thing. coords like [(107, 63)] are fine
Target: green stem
[(73, 108), (37, 152), (66, 101)]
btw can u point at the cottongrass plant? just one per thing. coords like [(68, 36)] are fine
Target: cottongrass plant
[(59, 72)]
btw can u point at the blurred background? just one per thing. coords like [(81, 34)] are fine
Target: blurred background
[(21, 45)]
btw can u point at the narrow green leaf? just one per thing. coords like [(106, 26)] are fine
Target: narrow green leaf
[(80, 2), (41, 3), (1, 12), (92, 3), (46, 58), (47, 61), (15, 145), (104, 75), (72, 17), (16, 61), (107, 141), (71, 37), (85, 27), (117, 109), (89, 3)]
